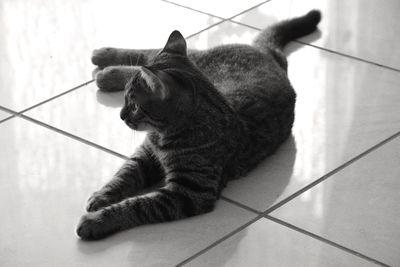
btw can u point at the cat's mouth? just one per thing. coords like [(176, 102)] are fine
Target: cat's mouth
[(130, 124)]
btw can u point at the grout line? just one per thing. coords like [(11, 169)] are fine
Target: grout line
[(7, 118), (56, 96), (349, 56), (7, 110), (205, 29), (15, 113), (324, 240), (72, 136), (329, 174), (247, 10), (240, 228), (193, 9)]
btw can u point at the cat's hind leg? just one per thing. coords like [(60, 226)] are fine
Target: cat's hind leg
[(110, 56), (138, 172), (116, 66), (113, 78)]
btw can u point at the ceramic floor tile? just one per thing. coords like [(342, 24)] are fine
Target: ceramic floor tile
[(343, 108), (365, 29), (357, 207), (91, 115), (222, 8), (46, 46), (266, 243), (45, 179)]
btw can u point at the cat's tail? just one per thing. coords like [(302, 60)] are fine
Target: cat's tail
[(278, 35)]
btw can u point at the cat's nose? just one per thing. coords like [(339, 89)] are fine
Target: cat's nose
[(124, 113)]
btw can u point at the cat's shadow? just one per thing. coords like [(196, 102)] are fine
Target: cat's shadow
[(161, 241)]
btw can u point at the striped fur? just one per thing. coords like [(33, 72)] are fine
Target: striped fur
[(210, 116)]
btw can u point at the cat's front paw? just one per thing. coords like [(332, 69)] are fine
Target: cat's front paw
[(94, 225), (99, 200)]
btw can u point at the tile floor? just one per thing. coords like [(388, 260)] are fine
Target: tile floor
[(328, 197)]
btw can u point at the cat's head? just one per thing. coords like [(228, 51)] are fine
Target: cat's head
[(160, 94)]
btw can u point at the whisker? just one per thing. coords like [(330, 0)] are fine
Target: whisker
[(133, 138), (137, 60), (130, 59)]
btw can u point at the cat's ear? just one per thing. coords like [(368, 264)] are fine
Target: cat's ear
[(176, 44), (155, 84)]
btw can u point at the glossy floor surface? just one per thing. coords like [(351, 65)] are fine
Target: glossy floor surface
[(328, 197)]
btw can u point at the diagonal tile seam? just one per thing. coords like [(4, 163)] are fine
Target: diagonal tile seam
[(16, 113), (75, 137), (266, 213), (57, 96), (215, 243), (324, 240), (231, 19), (7, 117), (192, 9)]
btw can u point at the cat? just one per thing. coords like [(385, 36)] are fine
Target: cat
[(210, 116)]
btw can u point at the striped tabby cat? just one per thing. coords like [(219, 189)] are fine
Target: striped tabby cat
[(210, 116)]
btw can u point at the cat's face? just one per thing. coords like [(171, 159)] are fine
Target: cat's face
[(157, 96)]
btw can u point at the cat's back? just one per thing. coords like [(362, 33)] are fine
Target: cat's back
[(239, 68)]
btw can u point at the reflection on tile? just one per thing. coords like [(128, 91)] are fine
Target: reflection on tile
[(91, 115), (266, 243), (222, 8), (348, 27), (46, 46), (358, 207), (343, 108), (43, 188)]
